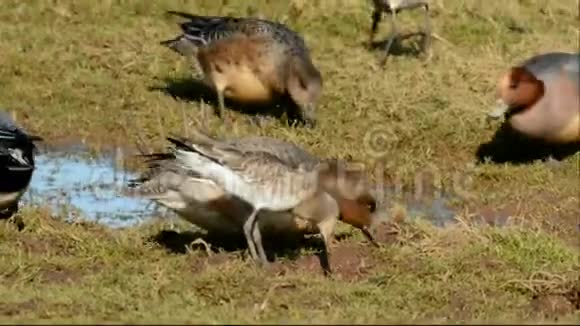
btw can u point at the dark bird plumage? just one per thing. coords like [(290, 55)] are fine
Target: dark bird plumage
[(16, 163)]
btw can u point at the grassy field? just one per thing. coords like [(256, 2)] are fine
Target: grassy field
[(94, 72)]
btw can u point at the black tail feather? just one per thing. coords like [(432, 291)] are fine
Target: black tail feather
[(156, 157), (180, 143), (170, 43), (200, 30), (35, 138), (183, 14)]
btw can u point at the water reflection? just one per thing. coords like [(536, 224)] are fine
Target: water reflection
[(75, 183)]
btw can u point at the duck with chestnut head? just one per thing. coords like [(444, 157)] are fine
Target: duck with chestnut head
[(540, 98), (342, 192)]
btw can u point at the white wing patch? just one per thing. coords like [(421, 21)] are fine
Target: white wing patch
[(17, 155)]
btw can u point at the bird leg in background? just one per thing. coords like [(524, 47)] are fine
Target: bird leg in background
[(392, 38), (221, 103), (220, 109)]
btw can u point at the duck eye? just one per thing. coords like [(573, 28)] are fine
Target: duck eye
[(372, 206)]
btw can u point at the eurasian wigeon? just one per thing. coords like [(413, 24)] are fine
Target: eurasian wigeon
[(252, 60), (228, 185), (540, 98)]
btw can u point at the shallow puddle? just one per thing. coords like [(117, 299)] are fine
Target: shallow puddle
[(436, 208), (76, 184)]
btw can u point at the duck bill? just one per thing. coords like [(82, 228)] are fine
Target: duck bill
[(309, 116), (499, 110), (367, 233)]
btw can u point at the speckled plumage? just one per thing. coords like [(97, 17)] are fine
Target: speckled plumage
[(205, 203), (253, 61), (202, 30), (192, 197)]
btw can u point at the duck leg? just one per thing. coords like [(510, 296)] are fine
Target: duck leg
[(249, 234), (392, 38), (257, 235), (221, 103), (220, 109), (326, 228)]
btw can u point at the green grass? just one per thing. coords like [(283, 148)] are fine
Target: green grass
[(84, 71), (86, 273)]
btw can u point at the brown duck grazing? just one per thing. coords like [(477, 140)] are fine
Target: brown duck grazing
[(251, 60)]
